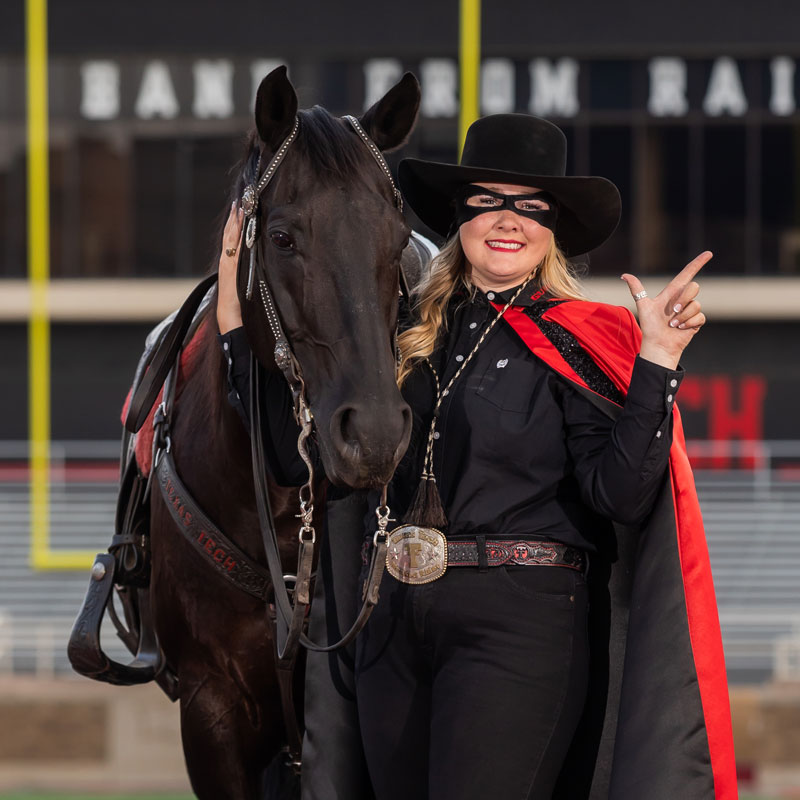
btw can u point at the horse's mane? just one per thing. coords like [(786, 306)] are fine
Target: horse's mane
[(334, 152), (332, 149)]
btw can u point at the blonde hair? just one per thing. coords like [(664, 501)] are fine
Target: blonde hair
[(447, 272)]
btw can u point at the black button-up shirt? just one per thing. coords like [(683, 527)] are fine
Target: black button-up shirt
[(519, 451)]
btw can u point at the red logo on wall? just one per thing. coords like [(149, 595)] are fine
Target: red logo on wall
[(734, 408)]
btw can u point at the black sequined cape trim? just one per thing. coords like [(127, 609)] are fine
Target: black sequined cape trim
[(572, 352)]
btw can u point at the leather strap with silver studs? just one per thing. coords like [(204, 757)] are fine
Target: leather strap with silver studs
[(378, 156)]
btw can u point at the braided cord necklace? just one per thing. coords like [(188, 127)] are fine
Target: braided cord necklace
[(426, 508)]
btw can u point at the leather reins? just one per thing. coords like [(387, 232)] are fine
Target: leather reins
[(291, 613)]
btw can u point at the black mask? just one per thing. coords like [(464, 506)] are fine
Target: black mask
[(469, 205)]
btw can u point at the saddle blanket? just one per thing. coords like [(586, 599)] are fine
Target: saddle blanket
[(189, 359)]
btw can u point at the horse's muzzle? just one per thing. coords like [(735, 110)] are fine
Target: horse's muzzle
[(367, 443)]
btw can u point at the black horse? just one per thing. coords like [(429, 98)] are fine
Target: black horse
[(330, 248)]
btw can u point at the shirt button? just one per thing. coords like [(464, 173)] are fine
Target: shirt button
[(669, 398), (673, 383), (225, 346), (230, 361), (658, 434), (459, 358), (490, 295), (436, 434), (473, 325)]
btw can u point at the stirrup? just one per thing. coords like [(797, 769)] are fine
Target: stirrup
[(84, 650)]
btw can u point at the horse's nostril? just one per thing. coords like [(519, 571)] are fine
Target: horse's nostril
[(349, 440), (347, 427), (407, 421), (366, 432), (345, 433)]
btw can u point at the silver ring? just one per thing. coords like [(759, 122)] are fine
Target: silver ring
[(640, 295)]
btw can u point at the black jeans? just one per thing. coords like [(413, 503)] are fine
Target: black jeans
[(471, 687)]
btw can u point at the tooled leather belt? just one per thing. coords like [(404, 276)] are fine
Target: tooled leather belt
[(515, 551), (418, 554)]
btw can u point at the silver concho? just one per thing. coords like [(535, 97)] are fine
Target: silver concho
[(282, 354), (249, 200), (416, 555), (250, 233)]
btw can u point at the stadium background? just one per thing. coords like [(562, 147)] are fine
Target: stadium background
[(691, 108)]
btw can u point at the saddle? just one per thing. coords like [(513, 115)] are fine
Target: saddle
[(124, 570)]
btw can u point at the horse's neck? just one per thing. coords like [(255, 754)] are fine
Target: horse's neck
[(211, 441), (203, 385), (213, 452)]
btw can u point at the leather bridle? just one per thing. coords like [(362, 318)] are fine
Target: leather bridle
[(288, 364), (291, 612), (284, 357)]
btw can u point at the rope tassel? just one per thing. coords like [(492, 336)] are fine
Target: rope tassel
[(426, 508)]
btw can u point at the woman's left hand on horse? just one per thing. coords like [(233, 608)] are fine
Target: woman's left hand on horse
[(670, 320), (229, 312)]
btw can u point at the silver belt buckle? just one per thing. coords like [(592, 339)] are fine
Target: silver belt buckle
[(416, 555)]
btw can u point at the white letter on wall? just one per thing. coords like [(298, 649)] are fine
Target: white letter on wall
[(554, 87), (781, 102), (213, 89), (100, 89), (380, 74), (156, 94), (725, 94), (667, 87), (497, 86), (439, 82)]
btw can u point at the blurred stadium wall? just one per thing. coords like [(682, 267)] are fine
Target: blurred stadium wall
[(689, 107)]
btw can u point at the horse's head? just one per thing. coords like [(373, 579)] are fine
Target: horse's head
[(329, 249)]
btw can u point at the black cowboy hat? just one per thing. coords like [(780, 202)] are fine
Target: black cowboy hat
[(517, 149)]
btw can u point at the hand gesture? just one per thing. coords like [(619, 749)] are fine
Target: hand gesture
[(229, 313), (669, 320)]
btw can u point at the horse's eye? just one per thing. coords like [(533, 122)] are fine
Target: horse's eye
[(282, 240)]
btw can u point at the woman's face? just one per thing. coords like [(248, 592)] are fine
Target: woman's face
[(502, 248)]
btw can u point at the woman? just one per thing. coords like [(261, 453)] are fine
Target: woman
[(537, 425)]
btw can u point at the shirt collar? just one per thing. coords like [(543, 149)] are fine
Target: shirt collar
[(533, 294)]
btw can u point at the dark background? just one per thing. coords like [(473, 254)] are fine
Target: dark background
[(93, 364), (515, 27), (138, 198)]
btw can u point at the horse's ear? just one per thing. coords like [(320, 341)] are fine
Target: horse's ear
[(276, 108), (389, 122)]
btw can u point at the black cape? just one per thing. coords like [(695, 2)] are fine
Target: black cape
[(657, 719)]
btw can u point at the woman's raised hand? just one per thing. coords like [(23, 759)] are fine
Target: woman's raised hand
[(669, 320), (229, 312)]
